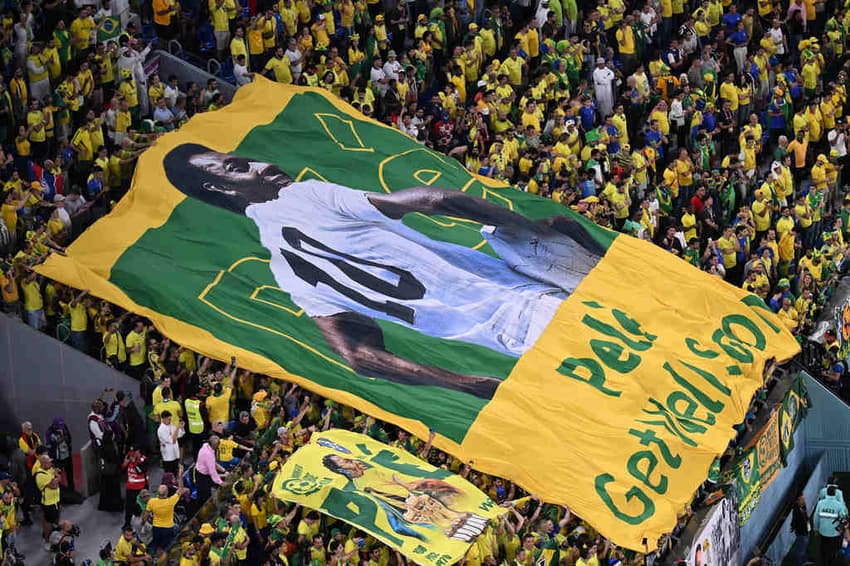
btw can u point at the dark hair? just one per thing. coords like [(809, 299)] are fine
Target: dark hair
[(191, 180), (165, 414), (194, 181)]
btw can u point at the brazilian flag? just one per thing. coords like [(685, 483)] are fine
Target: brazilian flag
[(549, 554), (108, 29), (665, 199)]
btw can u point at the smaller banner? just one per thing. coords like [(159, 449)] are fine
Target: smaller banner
[(428, 514), (767, 446), (791, 413), (718, 540), (747, 485), (841, 319)]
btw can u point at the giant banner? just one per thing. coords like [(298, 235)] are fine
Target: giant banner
[(428, 514), (319, 246)]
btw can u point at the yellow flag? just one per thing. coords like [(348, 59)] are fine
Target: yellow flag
[(594, 369)]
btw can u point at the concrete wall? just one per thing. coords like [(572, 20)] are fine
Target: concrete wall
[(828, 428), (42, 378)]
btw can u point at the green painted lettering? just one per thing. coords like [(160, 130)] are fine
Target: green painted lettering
[(693, 346), (643, 476), (732, 346), (761, 309), (713, 405), (677, 398), (688, 423), (647, 506), (631, 326), (648, 437), (758, 341), (609, 353), (608, 330), (595, 377), (674, 425), (487, 504)]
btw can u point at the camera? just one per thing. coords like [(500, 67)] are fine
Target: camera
[(75, 531)]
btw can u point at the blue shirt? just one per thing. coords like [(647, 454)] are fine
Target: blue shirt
[(709, 121), (731, 20), (776, 122), (588, 188), (94, 187), (587, 113), (653, 138), (614, 141), (739, 38)]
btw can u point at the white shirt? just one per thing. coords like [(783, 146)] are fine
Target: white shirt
[(22, 34), (411, 130), (333, 251), (392, 69), (242, 74), (64, 217), (294, 60), (603, 77), (171, 94), (677, 113), (775, 35), (95, 429), (377, 76), (167, 446), (647, 17), (837, 141), (540, 16), (35, 68)]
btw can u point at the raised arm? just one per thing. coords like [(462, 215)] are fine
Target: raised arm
[(432, 201)]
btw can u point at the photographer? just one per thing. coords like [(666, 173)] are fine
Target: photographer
[(62, 543), (829, 519)]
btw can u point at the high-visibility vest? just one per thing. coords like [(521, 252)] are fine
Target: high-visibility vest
[(193, 415)]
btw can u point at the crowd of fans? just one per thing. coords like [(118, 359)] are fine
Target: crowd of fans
[(714, 129)]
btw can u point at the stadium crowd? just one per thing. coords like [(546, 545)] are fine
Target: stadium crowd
[(715, 129)]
